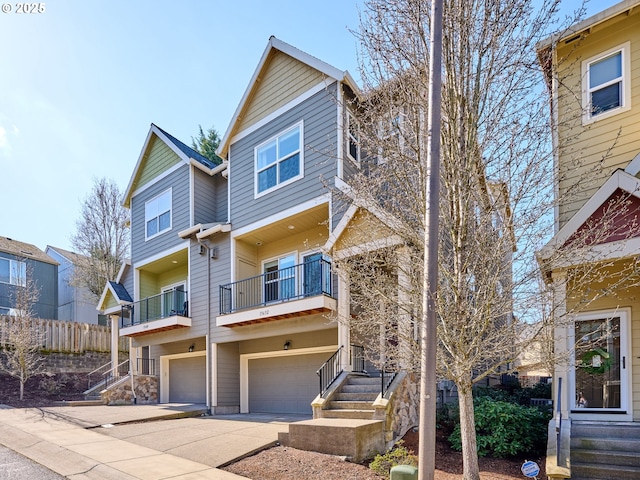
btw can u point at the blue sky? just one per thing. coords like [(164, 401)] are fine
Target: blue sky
[(81, 83)]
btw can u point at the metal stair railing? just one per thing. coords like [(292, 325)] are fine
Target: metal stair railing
[(115, 374), (329, 371), (98, 372)]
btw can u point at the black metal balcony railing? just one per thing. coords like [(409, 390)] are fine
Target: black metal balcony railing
[(292, 283), (167, 304)]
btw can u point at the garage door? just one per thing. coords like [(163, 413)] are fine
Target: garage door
[(187, 380), (284, 384)]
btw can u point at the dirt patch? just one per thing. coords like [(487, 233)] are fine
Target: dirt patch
[(43, 390), (291, 464)]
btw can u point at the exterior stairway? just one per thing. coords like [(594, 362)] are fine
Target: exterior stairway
[(605, 451), (354, 399)]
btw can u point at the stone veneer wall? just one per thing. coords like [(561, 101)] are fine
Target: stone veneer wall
[(146, 389), (403, 409)]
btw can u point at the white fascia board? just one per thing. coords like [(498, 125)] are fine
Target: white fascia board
[(103, 297), (125, 264), (339, 230), (188, 232), (618, 180), (386, 242), (599, 253), (209, 171), (160, 255), (587, 23), (301, 207), (634, 166), (219, 228)]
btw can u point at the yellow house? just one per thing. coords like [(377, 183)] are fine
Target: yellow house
[(593, 72)]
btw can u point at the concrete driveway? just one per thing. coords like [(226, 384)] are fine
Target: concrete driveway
[(137, 441)]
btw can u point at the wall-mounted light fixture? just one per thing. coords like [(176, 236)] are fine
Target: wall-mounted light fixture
[(214, 253), (192, 347), (287, 344), (203, 249)]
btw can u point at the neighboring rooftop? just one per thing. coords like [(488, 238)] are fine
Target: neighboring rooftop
[(190, 152), (73, 257), (26, 250)]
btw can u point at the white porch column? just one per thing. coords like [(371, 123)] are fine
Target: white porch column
[(562, 326), (115, 337), (405, 330), (344, 316)]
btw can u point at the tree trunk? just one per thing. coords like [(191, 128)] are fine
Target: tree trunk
[(471, 471)]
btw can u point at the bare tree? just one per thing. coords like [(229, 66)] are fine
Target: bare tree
[(102, 237), (496, 195), (21, 357)]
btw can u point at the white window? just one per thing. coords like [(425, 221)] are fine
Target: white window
[(280, 278), (606, 88), (353, 138), (13, 272), (278, 161), (157, 215)]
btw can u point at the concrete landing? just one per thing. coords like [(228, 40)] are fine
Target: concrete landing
[(354, 439)]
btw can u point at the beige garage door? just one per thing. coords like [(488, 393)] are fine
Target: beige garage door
[(187, 380), (284, 384)]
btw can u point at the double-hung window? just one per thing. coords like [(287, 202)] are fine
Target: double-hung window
[(606, 84), (157, 215), (13, 272), (353, 138), (278, 161)]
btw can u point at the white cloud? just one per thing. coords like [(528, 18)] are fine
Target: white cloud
[(4, 141), (15, 129)]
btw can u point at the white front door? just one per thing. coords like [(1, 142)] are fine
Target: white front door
[(601, 374)]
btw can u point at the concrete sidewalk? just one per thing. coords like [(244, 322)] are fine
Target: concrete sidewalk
[(68, 441)]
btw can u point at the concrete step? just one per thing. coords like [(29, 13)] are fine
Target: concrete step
[(606, 430), (79, 403), (349, 405), (361, 380), (359, 389), (356, 396), (592, 471), (611, 444), (602, 457), (360, 414)]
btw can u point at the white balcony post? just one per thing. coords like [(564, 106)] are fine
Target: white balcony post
[(344, 312), (115, 337), (561, 335)]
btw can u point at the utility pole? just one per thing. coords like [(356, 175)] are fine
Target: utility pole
[(427, 454)]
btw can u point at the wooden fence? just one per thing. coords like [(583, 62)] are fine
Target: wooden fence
[(65, 336)]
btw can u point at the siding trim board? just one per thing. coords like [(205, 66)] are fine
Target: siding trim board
[(244, 367)]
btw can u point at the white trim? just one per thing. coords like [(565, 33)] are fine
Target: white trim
[(385, 242), (626, 384), (244, 367), (280, 111), (634, 166), (156, 179), (340, 228), (170, 227), (164, 371), (219, 228), (340, 133), (158, 256), (192, 193), (299, 208), (625, 100), (297, 126), (153, 325), (213, 388), (618, 180)]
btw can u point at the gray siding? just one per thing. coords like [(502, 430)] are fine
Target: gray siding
[(45, 276), (319, 114), (179, 182), (228, 381), (208, 193)]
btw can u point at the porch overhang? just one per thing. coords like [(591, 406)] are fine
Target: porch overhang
[(155, 326), (279, 311)]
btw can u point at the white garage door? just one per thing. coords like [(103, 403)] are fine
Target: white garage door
[(187, 380), (284, 384)]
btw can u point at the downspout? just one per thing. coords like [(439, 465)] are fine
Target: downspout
[(207, 346), (133, 389)]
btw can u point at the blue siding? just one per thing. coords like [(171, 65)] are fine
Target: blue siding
[(179, 182), (319, 114), (45, 276)]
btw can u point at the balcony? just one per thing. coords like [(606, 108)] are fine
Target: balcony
[(303, 289), (165, 311)]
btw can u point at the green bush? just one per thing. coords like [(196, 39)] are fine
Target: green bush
[(505, 429), (398, 455)]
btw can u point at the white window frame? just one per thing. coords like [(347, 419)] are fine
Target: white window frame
[(279, 280), (20, 278), (300, 127), (625, 79), (353, 139), (147, 219)]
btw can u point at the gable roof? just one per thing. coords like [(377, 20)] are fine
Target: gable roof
[(276, 44), (186, 154), (24, 250), (620, 182), (588, 23), (74, 258)]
